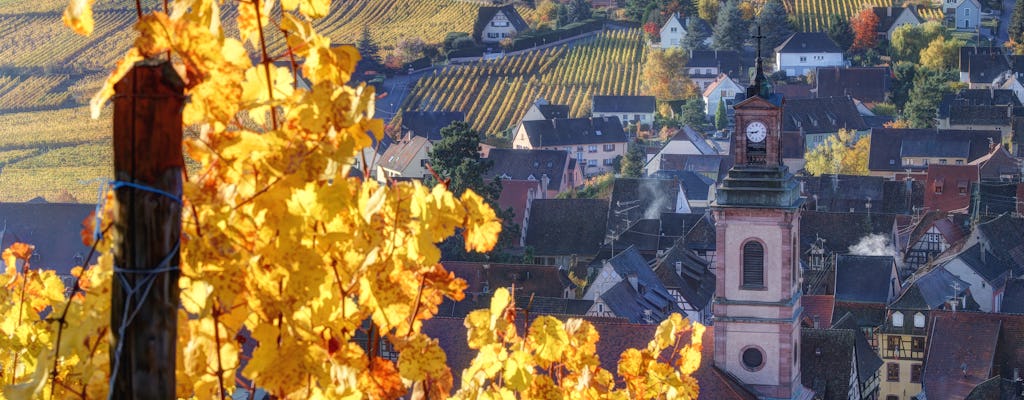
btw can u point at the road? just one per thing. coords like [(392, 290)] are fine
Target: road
[(397, 87)]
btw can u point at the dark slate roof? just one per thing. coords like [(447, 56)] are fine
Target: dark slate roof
[(793, 145), (634, 199), (891, 145), (695, 185), (552, 111), (997, 164), (967, 51), (868, 84), (841, 193), (521, 164), (814, 225), (977, 97), (486, 14), (984, 68), (623, 104), (728, 62), (861, 314), (1013, 297), (888, 15), (53, 228), (693, 279), (868, 361), (989, 266), (901, 197), (930, 291), (535, 304), (826, 358), (996, 198), (877, 121), (821, 115), (574, 131), (1006, 236), (864, 279), (529, 279), (567, 226), (961, 114), (961, 353), (702, 236), (808, 42), (675, 225), (644, 234), (650, 294), (428, 124)]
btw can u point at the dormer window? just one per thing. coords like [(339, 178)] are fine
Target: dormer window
[(531, 178), (961, 188), (897, 319), (938, 186)]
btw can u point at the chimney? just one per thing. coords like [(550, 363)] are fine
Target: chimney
[(634, 281), (835, 182), (679, 268), (816, 323)]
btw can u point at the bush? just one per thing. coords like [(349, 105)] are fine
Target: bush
[(452, 37)]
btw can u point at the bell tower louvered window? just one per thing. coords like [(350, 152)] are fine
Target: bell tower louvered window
[(753, 265)]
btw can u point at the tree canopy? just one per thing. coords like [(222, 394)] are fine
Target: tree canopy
[(907, 41), (634, 161), (865, 30), (697, 35), (731, 29), (842, 153), (774, 23), (662, 78), (839, 31)]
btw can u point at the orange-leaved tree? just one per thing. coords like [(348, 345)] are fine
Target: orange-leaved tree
[(865, 30), (278, 241)]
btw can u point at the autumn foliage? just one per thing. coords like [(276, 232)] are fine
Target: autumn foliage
[(865, 30), (281, 247)]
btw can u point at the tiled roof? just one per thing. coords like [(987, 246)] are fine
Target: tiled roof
[(960, 114), (948, 187), (930, 290), (728, 62), (989, 266), (808, 42), (888, 16), (997, 163), (634, 199), (650, 294), (950, 226), (984, 68), (862, 314), (486, 14), (821, 115), (567, 226), (868, 84), (552, 111), (574, 131), (826, 358), (977, 97), (864, 279), (856, 226), (889, 146), (794, 90), (961, 353), (842, 193), (709, 164), (902, 196), (428, 124), (515, 194), (695, 185), (645, 234), (818, 308), (541, 280), (996, 198), (53, 228), (693, 278), (793, 145), (1013, 297), (400, 155), (623, 104), (1006, 236), (521, 164)]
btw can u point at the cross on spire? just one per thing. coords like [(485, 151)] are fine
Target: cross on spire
[(758, 36)]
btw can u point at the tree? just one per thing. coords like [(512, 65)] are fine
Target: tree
[(652, 30), (839, 31), (634, 161), (842, 153), (693, 112), (908, 40), (1016, 27), (903, 81), (731, 29), (941, 54), (708, 9), (721, 116), (637, 10), (562, 15), (579, 10), (697, 35), (661, 77), (370, 52), (923, 103), (452, 38), (774, 23), (409, 49), (865, 30), (456, 157), (545, 13)]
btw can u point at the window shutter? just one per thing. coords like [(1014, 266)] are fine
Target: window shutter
[(753, 264)]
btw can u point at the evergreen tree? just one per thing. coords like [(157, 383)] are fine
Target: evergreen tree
[(693, 112), (840, 32), (774, 25), (697, 35), (370, 53), (563, 16), (1016, 27), (929, 86), (903, 81), (721, 116), (633, 162), (731, 29), (579, 10)]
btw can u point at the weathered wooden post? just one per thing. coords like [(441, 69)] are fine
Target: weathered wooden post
[(148, 166)]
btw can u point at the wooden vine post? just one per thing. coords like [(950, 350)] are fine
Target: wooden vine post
[(148, 166)]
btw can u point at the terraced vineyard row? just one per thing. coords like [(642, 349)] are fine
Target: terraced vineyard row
[(495, 94), (31, 92), (813, 15), (42, 41)]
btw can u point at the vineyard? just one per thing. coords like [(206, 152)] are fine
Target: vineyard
[(812, 15), (494, 94)]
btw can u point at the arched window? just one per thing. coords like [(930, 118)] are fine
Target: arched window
[(897, 319), (918, 320), (753, 264)]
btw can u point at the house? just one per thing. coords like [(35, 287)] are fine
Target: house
[(713, 167), (981, 117), (562, 230), (948, 187), (673, 32), (686, 141), (998, 165), (802, 52), (1003, 235), (817, 310), (697, 188), (865, 84), (821, 243), (966, 350), (965, 14), (980, 68), (428, 124), (496, 23), (593, 142), (53, 228), (518, 195), (843, 193), (634, 199), (977, 97), (629, 109), (867, 365), (541, 109), (866, 279), (992, 199), (987, 274), (406, 159), (553, 169), (1013, 297), (910, 151), (890, 18), (704, 66), (924, 238), (624, 286), (689, 279), (832, 366), (369, 156), (529, 279), (722, 87), (817, 119)]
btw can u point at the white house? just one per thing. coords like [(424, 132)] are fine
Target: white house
[(966, 14), (687, 141), (496, 23), (405, 159), (985, 272), (890, 18), (629, 109), (802, 52), (672, 32), (722, 88)]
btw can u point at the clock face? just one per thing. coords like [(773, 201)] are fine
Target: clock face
[(756, 131)]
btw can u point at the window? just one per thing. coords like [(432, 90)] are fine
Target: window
[(892, 343), (492, 35), (609, 161), (803, 59), (592, 163), (959, 162), (579, 148), (592, 148), (753, 358), (962, 188), (892, 162), (609, 147), (938, 187), (967, 12), (636, 117), (917, 343), (915, 373), (918, 320), (892, 372), (423, 162), (897, 319), (673, 30), (753, 265), (892, 397)]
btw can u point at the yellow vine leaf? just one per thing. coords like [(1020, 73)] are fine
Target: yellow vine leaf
[(483, 225), (78, 16), (547, 335)]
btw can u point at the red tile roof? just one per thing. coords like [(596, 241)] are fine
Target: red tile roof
[(819, 306), (961, 353), (948, 187), (515, 194)]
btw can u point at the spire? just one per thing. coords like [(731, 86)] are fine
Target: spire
[(761, 86)]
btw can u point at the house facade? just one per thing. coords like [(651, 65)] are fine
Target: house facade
[(802, 52), (704, 66), (673, 32), (629, 109), (890, 18), (593, 142), (405, 159), (496, 23), (966, 14), (721, 88)]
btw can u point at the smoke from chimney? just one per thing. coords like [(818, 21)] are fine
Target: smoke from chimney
[(873, 245)]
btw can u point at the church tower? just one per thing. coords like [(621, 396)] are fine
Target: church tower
[(757, 219)]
